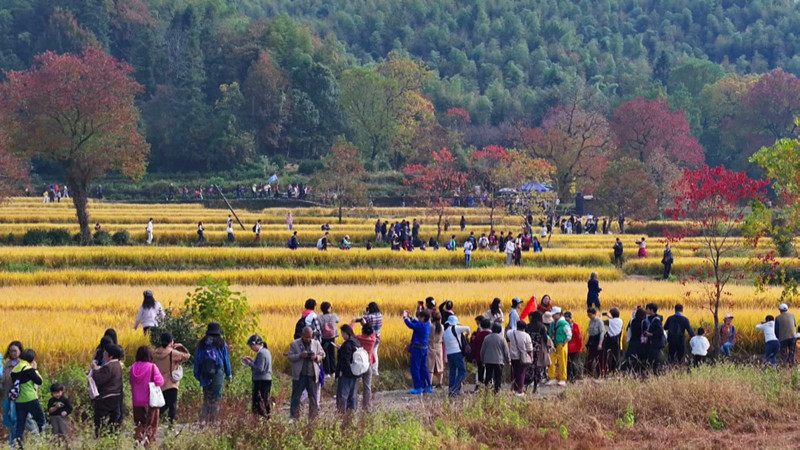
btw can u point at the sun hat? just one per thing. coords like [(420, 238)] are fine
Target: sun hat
[(783, 307), (515, 301), (555, 310), (452, 320), (547, 318), (214, 329)]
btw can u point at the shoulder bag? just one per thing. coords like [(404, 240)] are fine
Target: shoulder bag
[(156, 396)]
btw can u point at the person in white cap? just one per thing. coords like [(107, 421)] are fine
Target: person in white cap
[(727, 336), (785, 329), (561, 334)]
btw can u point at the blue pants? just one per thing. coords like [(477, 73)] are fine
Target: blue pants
[(230, 237), (771, 352), (457, 372), (467, 259), (726, 348), (419, 368)]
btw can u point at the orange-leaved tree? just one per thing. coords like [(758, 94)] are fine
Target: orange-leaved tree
[(77, 111)]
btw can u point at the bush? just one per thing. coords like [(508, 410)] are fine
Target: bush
[(59, 237), (76, 238), (309, 166), (121, 237), (181, 327), (36, 237), (214, 301), (102, 238)]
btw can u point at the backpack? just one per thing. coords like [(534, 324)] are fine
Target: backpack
[(320, 244), (209, 362), (463, 345), (254, 228), (328, 330), (360, 364), (298, 327)]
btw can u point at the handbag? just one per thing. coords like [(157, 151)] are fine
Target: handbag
[(93, 392), (177, 374), (156, 396), (463, 345)]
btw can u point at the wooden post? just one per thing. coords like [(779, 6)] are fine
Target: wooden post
[(230, 207)]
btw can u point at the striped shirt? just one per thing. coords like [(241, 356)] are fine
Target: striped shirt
[(375, 320)]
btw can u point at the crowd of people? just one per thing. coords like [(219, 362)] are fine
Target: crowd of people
[(54, 193)]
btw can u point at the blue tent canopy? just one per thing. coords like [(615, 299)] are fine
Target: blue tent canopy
[(534, 187)]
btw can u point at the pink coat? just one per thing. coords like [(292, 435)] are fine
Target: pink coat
[(142, 373)]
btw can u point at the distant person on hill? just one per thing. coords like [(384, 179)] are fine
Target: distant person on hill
[(677, 326), (467, 253), (150, 313), (593, 291), (463, 223), (289, 221), (785, 329), (510, 248), (149, 230), (200, 233), (419, 351), (212, 366), (618, 253), (229, 229), (293, 243), (700, 346), (772, 345), (621, 221), (451, 244), (642, 248), (537, 246), (667, 261), (322, 243), (727, 335), (97, 227), (378, 226), (346, 243), (257, 231)]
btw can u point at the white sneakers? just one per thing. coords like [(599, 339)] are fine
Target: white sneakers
[(551, 383), (562, 383)]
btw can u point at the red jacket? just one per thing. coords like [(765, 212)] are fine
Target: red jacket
[(476, 342), (576, 344)]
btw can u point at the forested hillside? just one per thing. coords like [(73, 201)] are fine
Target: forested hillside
[(229, 82)]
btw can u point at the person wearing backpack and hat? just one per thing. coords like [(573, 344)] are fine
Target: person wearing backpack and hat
[(346, 378), (561, 333), (212, 365), (455, 353), (168, 357), (262, 374), (328, 322)]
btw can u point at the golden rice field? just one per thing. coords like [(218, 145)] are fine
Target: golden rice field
[(59, 300)]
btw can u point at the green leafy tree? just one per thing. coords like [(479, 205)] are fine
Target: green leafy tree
[(214, 301)]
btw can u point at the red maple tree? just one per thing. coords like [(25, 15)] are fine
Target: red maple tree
[(773, 103), (716, 200), (437, 183), (77, 111)]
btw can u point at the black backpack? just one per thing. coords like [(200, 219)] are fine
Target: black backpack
[(298, 327)]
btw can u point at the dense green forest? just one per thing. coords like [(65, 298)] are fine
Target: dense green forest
[(228, 83)]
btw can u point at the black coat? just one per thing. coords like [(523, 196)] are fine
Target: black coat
[(346, 357)]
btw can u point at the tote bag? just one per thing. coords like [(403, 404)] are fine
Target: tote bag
[(93, 392), (156, 396)]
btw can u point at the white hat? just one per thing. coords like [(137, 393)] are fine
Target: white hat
[(729, 316), (555, 310), (783, 307), (547, 318)]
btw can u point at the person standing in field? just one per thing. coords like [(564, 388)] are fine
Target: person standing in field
[(593, 292), (772, 345), (108, 379), (495, 313), (149, 230), (785, 329), (150, 313), (418, 348), (346, 380), (727, 335), (636, 354), (229, 229), (574, 349), (621, 221), (289, 221), (654, 331), (12, 355), (676, 327), (200, 233), (612, 343), (484, 329), (329, 323), (142, 373), (261, 367), (435, 358), (561, 333), (594, 345), (618, 253), (455, 354), (257, 230), (463, 223), (521, 355), (168, 357), (667, 261), (495, 355), (212, 366), (367, 339), (642, 248), (699, 345), (305, 355), (513, 315), (467, 253), (25, 394), (510, 248), (374, 318), (293, 242), (59, 408), (537, 329)]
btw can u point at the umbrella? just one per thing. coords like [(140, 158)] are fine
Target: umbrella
[(535, 187)]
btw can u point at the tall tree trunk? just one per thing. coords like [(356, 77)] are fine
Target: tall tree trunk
[(439, 228), (340, 213), (80, 198)]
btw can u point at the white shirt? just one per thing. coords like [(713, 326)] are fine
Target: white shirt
[(699, 345), (258, 228), (768, 328), (614, 327), (510, 247), (543, 232), (468, 248), (230, 229), (451, 340), (149, 317), (149, 227)]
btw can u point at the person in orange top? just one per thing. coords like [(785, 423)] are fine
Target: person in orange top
[(367, 339), (574, 349)]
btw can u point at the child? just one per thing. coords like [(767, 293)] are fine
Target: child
[(59, 409), (700, 346), (262, 374)]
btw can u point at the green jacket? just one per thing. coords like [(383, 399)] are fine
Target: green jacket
[(28, 379), (560, 331)]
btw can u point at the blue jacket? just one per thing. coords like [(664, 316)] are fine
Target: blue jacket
[(422, 331), (222, 355)]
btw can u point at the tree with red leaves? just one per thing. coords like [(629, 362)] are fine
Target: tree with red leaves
[(772, 104), (77, 111), (659, 138), (437, 183), (717, 199), (575, 141)]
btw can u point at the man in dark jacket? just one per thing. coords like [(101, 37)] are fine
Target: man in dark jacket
[(593, 293), (346, 382), (785, 327), (618, 253), (654, 327), (293, 242), (676, 326)]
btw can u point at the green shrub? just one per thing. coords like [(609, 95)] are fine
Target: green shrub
[(309, 166), (182, 328), (59, 236), (214, 301), (36, 237), (102, 238), (121, 237)]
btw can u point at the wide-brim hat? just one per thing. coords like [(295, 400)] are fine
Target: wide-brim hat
[(547, 317), (214, 329)]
